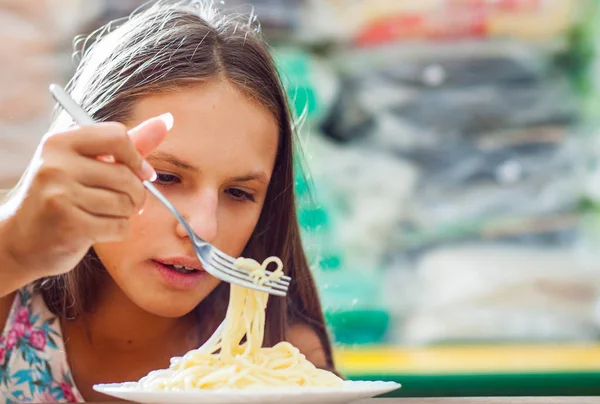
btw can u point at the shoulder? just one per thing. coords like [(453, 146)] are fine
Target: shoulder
[(10, 304), (303, 337), (6, 303), (23, 307)]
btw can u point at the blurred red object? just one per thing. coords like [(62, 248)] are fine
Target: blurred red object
[(469, 19)]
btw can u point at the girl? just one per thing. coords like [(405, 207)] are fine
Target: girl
[(94, 286)]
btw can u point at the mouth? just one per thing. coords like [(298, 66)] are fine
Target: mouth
[(185, 267), (180, 269), (181, 274)]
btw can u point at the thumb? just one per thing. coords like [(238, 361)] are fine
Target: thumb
[(151, 133)]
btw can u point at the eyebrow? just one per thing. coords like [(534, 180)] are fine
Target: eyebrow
[(169, 158), (259, 176)]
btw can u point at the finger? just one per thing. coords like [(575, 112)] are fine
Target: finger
[(110, 139), (114, 177), (149, 134), (103, 203), (105, 229)]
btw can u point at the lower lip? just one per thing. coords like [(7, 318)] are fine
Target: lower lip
[(178, 280)]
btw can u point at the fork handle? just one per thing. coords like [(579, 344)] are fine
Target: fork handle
[(152, 189), (77, 113)]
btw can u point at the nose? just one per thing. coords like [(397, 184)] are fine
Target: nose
[(201, 214)]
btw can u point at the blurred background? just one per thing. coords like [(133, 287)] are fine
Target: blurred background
[(448, 186)]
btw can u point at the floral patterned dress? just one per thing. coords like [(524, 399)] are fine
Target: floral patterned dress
[(33, 362)]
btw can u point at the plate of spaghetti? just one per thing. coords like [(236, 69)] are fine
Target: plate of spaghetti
[(229, 368)]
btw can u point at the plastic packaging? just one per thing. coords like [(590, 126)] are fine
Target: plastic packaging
[(498, 292), (418, 98)]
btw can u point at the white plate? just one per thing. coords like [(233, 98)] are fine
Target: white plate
[(349, 391)]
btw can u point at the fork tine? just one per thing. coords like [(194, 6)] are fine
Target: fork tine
[(251, 285), (243, 282), (281, 281), (267, 287), (230, 261), (247, 278)]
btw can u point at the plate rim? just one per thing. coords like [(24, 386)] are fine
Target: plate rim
[(384, 386)]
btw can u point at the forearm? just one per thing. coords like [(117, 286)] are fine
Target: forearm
[(13, 274)]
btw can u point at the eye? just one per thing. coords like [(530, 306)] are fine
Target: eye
[(240, 195), (166, 179)]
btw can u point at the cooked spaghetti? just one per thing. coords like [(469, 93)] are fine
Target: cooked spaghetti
[(225, 362)]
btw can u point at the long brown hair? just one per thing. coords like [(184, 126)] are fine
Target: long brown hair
[(162, 47)]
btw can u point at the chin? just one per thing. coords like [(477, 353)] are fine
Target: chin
[(167, 309), (162, 292), (169, 303)]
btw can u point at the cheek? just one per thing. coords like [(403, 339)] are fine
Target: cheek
[(152, 227), (112, 256), (143, 230), (236, 225), (144, 225)]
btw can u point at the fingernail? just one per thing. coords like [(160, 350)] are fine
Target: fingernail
[(107, 159), (148, 172), (168, 120)]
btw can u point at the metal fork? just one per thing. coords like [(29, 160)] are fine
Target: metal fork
[(213, 260)]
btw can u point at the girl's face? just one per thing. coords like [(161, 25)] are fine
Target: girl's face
[(214, 166)]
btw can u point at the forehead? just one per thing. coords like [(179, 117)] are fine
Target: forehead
[(214, 123)]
